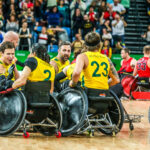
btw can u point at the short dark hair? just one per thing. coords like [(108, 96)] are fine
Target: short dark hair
[(126, 50), (64, 43), (6, 45)]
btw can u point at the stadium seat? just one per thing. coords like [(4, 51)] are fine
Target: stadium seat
[(52, 49)]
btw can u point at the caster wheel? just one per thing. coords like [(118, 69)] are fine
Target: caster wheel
[(113, 134), (131, 126), (26, 135), (58, 134), (91, 133)]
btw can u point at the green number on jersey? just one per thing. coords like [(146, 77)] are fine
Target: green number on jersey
[(49, 75)]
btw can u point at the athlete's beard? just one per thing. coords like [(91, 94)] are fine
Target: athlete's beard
[(63, 59)]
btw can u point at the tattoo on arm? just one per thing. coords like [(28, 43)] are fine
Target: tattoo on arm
[(113, 69)]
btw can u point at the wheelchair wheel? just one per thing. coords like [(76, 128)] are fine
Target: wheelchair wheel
[(74, 104), (115, 115), (12, 112), (54, 118)]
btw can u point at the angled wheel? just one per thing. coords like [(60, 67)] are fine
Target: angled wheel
[(12, 112), (54, 119), (115, 115), (74, 105)]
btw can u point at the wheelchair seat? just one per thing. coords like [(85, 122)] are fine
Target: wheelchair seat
[(46, 113), (144, 82)]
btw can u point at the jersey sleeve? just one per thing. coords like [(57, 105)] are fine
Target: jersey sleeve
[(31, 63)]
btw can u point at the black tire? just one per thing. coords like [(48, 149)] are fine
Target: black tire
[(116, 114), (74, 104), (13, 108), (55, 114)]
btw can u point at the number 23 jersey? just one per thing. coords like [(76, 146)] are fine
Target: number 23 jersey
[(142, 68), (41, 70), (97, 71)]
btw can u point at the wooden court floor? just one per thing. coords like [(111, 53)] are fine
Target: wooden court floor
[(139, 139)]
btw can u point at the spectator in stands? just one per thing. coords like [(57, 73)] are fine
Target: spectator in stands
[(12, 24), (118, 30), (43, 37), (53, 17), (77, 43), (38, 10), (29, 18), (104, 24), (77, 22), (109, 14), (102, 8), (106, 35), (92, 15), (146, 35), (63, 9), (117, 7), (77, 4), (106, 48), (24, 37), (62, 59), (142, 67), (127, 64), (87, 26)]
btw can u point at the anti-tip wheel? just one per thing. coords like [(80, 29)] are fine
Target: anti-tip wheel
[(58, 134), (26, 135)]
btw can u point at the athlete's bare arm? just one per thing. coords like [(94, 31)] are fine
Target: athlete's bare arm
[(23, 78), (114, 78), (53, 63), (133, 63), (80, 65), (135, 71)]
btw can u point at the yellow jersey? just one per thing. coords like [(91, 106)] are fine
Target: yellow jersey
[(6, 73), (96, 73), (70, 72), (60, 65), (43, 72)]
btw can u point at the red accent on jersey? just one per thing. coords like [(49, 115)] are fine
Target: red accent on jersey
[(105, 51), (126, 66), (142, 68), (42, 38)]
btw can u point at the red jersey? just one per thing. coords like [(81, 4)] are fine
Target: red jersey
[(142, 68), (126, 66)]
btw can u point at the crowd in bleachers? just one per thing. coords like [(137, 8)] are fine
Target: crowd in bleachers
[(50, 21)]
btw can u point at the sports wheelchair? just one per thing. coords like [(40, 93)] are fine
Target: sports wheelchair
[(35, 108), (88, 110), (137, 88)]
